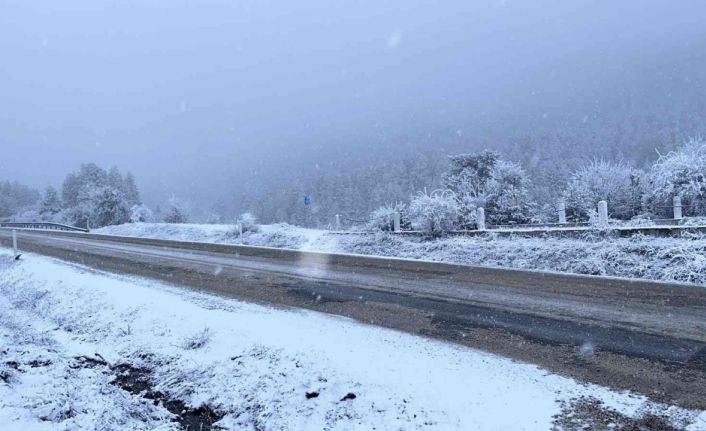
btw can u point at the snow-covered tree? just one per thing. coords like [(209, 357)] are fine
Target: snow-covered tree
[(436, 213), (175, 212), (485, 180), (141, 214), (51, 203), (98, 198), (678, 173), (15, 197), (132, 193), (109, 207), (115, 179), (616, 183), (506, 195), (50, 209)]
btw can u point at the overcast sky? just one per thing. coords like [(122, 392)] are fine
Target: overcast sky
[(187, 94)]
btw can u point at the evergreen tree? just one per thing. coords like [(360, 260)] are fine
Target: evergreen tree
[(51, 204), (109, 208), (115, 179), (132, 193)]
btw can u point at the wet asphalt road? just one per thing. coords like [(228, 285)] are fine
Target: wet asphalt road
[(642, 336)]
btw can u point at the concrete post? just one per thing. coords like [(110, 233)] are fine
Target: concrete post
[(561, 211), (14, 243), (603, 212), (480, 218), (338, 222), (677, 207), (397, 221)]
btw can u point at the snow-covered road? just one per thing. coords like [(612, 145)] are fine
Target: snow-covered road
[(67, 332)]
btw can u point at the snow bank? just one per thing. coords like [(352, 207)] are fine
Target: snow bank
[(680, 259), (278, 235), (252, 364)]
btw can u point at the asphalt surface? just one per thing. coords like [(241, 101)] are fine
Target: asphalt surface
[(637, 335)]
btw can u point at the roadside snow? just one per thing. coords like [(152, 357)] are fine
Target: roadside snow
[(681, 259), (252, 364), (276, 235)]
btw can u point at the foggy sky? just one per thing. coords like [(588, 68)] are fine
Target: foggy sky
[(189, 94)]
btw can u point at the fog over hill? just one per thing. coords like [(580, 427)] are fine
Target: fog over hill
[(231, 102)]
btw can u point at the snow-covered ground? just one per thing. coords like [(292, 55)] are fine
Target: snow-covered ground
[(680, 259), (84, 350)]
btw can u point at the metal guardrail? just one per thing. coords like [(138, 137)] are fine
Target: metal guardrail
[(43, 225)]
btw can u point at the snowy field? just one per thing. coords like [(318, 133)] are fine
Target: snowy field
[(656, 258), (84, 350)]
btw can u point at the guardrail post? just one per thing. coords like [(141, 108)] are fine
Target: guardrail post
[(338, 222), (480, 218), (397, 222), (603, 212), (14, 244), (561, 211), (676, 202)]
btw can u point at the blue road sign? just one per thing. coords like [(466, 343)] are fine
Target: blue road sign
[(307, 200)]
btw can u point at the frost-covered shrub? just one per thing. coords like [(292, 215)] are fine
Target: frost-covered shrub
[(618, 184), (176, 212), (435, 213), (141, 214), (383, 218), (248, 222), (679, 173)]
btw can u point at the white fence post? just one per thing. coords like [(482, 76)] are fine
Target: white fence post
[(338, 222), (603, 212), (14, 243), (561, 211), (677, 207), (480, 218), (397, 222)]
